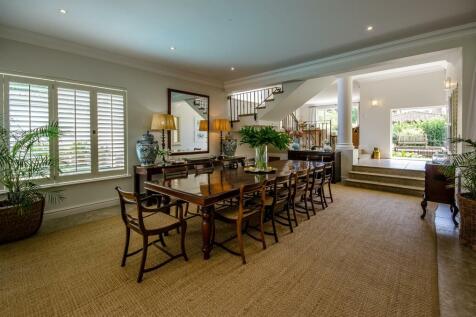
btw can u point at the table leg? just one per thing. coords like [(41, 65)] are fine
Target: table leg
[(454, 210), (207, 227), (423, 206), (136, 183)]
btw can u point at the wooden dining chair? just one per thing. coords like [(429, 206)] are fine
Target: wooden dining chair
[(175, 172), (299, 192), (280, 193), (328, 172), (318, 192), (242, 213), (150, 221)]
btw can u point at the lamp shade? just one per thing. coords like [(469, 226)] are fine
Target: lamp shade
[(162, 121), (203, 125), (221, 125)]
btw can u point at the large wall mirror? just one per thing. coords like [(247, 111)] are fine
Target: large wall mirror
[(190, 111)]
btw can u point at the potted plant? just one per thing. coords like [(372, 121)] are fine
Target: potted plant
[(465, 165), (21, 211), (259, 138)]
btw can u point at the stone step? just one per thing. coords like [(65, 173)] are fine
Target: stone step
[(388, 171), (381, 186), (388, 178)]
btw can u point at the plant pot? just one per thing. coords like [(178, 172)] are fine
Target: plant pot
[(261, 157), (467, 225), (14, 226)]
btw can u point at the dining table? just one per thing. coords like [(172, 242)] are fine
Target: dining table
[(206, 190)]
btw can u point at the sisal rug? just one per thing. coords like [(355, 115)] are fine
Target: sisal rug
[(368, 254)]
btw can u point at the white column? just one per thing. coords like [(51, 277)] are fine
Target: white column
[(344, 113)]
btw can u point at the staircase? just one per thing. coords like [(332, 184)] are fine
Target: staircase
[(402, 181), (248, 103)]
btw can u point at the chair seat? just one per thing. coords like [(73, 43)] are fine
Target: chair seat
[(231, 213), (268, 200), (153, 220)]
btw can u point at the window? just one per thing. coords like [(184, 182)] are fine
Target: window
[(92, 142), (28, 109), (74, 120), (110, 131)]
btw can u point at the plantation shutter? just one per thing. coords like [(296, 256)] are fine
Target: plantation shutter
[(74, 120), (28, 106), (111, 131)]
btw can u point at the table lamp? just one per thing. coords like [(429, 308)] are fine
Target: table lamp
[(203, 125), (221, 125), (162, 122)]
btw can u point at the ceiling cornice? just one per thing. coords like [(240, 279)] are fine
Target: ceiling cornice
[(71, 47), (317, 67)]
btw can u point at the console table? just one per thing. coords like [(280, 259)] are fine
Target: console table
[(148, 171), (319, 156), (438, 189)]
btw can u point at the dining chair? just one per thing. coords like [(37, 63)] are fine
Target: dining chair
[(150, 221), (242, 213), (328, 172), (280, 193), (175, 172), (300, 187), (318, 191)]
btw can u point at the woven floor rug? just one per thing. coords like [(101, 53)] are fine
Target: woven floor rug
[(368, 254)]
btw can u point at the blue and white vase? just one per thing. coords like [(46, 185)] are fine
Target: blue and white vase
[(229, 147), (296, 146), (146, 149)]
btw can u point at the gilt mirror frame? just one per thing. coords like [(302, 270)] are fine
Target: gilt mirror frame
[(170, 91)]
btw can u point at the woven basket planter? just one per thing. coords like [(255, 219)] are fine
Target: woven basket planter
[(467, 226), (14, 227)]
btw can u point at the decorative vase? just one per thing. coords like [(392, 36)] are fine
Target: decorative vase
[(296, 145), (146, 149), (261, 157), (229, 147), (376, 153)]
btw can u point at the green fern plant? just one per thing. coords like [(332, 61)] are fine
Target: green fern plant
[(465, 163), (257, 136), (21, 166)]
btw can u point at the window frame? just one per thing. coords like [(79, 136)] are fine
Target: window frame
[(55, 178)]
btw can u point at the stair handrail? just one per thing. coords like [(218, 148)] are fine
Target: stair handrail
[(249, 102)]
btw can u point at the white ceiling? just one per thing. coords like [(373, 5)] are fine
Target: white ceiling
[(253, 36)]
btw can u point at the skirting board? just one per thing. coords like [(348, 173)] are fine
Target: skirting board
[(77, 209)]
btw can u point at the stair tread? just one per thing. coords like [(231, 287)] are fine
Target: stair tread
[(388, 168), (385, 184), (246, 115), (388, 175)]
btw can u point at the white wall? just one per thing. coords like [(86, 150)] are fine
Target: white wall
[(147, 93), (418, 90)]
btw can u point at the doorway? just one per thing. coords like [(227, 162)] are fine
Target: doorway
[(420, 132)]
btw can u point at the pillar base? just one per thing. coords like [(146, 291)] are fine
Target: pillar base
[(344, 146)]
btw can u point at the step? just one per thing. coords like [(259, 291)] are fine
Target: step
[(388, 171), (388, 178), (381, 186)]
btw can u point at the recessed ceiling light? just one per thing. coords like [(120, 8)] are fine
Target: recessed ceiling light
[(172, 48), (62, 11), (370, 28), (232, 68)]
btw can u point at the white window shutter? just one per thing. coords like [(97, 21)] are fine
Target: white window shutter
[(111, 131), (74, 120), (28, 109)]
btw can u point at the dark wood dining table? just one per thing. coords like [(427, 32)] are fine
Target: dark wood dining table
[(205, 190)]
